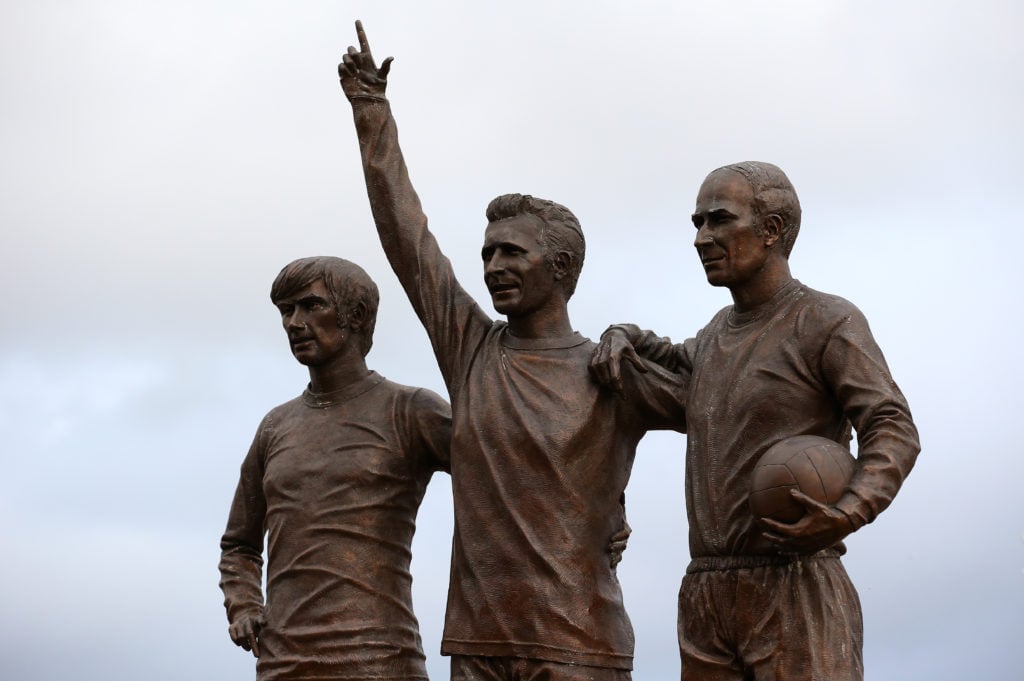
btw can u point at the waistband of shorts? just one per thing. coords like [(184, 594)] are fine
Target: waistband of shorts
[(718, 563)]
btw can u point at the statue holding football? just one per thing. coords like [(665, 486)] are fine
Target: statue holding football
[(541, 437), (779, 381)]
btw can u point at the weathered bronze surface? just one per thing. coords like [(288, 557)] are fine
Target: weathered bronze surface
[(333, 479), (783, 360), (540, 453), (542, 434)]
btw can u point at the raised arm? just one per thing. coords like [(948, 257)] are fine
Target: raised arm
[(452, 318)]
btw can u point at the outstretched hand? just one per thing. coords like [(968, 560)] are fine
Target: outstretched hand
[(359, 74), (820, 527), (606, 362)]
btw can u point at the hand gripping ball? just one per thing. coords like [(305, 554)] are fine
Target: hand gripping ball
[(818, 467)]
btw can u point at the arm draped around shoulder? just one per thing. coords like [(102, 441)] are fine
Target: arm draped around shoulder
[(452, 318), (660, 350), (241, 558), (660, 395), (887, 439)]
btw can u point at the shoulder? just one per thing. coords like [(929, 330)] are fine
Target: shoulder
[(427, 400), (270, 425), (825, 310), (423, 421), (415, 399), (282, 412)]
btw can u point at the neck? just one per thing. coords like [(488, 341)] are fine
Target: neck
[(335, 375), (761, 288), (546, 323)]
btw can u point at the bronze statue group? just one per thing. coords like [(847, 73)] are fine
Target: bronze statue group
[(539, 441)]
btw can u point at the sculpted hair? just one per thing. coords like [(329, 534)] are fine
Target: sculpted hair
[(773, 193), (561, 229), (347, 285)]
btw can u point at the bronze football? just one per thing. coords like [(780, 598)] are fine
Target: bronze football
[(818, 467)]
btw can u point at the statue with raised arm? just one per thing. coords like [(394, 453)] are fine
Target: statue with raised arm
[(333, 479), (782, 361), (540, 452)]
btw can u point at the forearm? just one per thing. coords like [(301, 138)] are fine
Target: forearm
[(650, 346), (397, 212), (888, 446), (241, 546), (451, 317), (241, 579), (661, 396)]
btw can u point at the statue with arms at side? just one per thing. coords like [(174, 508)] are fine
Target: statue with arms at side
[(334, 479)]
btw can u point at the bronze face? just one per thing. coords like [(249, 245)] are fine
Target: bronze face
[(729, 241), (311, 321), (517, 275)]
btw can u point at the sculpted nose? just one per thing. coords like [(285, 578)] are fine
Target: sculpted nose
[(703, 239), (493, 264)]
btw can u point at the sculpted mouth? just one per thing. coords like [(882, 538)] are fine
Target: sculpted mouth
[(501, 288)]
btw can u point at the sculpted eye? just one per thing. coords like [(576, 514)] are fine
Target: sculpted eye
[(720, 217)]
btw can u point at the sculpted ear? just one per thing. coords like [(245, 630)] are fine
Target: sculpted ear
[(357, 316), (771, 228), (561, 264)]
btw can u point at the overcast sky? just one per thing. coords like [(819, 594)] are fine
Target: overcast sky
[(162, 160)]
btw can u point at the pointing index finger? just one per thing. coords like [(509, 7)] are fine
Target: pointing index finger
[(364, 44)]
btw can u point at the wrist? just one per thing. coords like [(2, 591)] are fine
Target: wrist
[(248, 612), (851, 507), (367, 97), (620, 328), (849, 521)]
